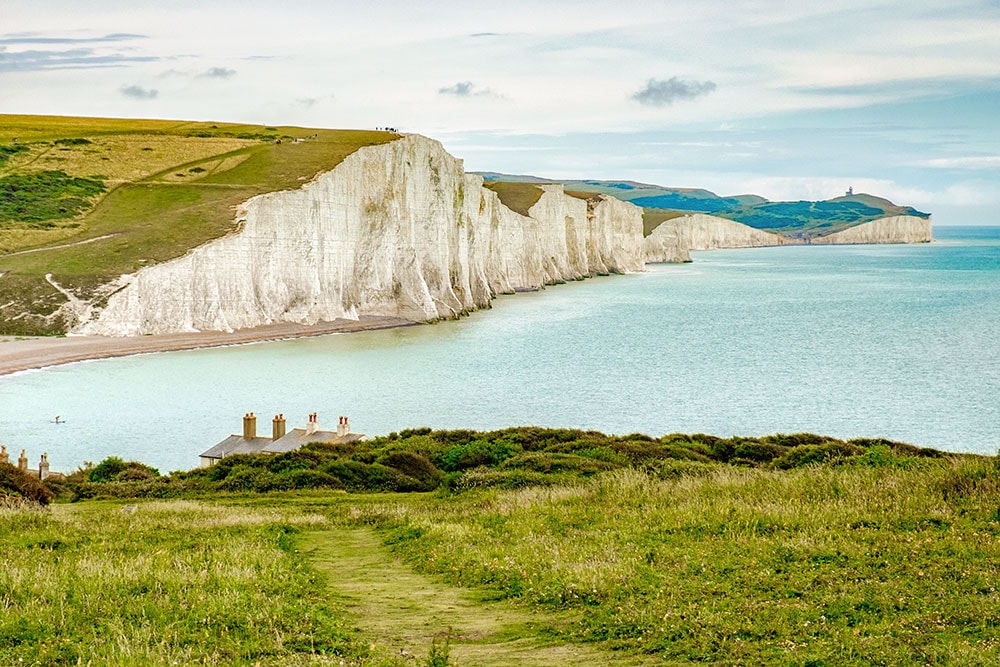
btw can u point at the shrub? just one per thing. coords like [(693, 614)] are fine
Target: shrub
[(36, 198), (301, 459), (106, 470), (797, 439), (360, 476), (413, 465), (504, 479), (308, 479), (134, 472), (479, 452), (245, 479), (759, 452), (116, 469), (552, 463), (17, 483), (808, 454)]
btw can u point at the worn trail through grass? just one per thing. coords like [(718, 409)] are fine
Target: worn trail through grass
[(403, 611)]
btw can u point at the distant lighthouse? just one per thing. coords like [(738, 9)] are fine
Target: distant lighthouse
[(850, 191)]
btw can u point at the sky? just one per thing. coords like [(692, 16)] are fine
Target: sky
[(788, 100)]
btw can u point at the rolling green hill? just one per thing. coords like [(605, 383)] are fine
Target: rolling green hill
[(801, 218), (89, 199)]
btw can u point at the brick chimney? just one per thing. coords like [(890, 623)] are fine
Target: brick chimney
[(343, 428), (43, 466), (4, 456), (22, 461), (313, 424), (249, 426), (277, 427)]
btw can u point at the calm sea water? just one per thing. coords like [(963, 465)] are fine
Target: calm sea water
[(892, 341)]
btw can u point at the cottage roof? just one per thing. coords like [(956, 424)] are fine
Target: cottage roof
[(298, 437), (294, 439), (237, 444)]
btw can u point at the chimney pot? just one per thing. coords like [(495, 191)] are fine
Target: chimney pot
[(249, 426)]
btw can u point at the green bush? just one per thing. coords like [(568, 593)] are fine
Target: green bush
[(797, 439), (308, 479), (359, 476), (16, 482), (301, 459), (551, 463), (247, 479), (504, 479), (37, 198), (809, 454), (116, 469), (759, 452), (482, 451), (413, 465)]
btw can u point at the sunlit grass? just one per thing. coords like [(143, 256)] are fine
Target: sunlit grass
[(821, 565), (170, 583)]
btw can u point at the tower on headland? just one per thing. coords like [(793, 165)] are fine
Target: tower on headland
[(850, 191)]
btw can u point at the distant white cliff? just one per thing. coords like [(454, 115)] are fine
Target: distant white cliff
[(895, 229), (397, 230), (672, 239)]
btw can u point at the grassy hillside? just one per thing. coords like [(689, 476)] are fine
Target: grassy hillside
[(88, 199), (786, 550), (797, 219)]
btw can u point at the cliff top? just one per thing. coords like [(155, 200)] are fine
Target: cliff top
[(81, 193)]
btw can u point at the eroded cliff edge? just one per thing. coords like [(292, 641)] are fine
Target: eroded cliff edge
[(895, 229), (396, 230), (672, 240)]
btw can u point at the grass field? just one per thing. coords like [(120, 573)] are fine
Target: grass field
[(168, 187), (824, 554)]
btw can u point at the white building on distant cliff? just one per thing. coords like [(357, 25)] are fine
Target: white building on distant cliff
[(280, 441)]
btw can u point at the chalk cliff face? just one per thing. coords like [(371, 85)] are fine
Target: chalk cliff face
[(895, 229), (397, 229), (672, 239)]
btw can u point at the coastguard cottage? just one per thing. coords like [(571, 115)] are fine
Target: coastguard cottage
[(280, 440), (42, 472)]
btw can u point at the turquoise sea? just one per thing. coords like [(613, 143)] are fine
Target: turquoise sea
[(894, 341)]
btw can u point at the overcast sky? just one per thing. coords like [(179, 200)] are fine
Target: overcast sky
[(789, 100)]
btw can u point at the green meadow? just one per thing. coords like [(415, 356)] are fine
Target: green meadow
[(523, 546), (87, 199)]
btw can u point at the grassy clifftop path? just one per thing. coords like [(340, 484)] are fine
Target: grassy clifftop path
[(93, 198), (404, 613)]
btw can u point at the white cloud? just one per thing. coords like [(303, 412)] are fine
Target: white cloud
[(970, 162)]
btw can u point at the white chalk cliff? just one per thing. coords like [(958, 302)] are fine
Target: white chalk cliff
[(895, 229), (396, 230), (401, 230), (672, 239)]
